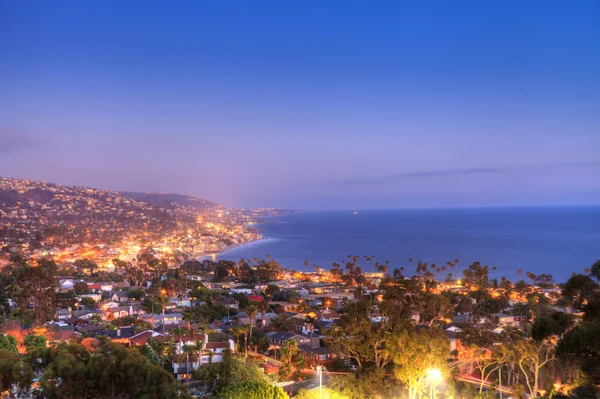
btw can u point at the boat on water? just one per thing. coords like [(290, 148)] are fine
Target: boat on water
[(355, 213)]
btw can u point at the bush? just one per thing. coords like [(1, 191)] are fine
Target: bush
[(252, 390)]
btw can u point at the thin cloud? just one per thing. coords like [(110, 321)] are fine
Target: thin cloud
[(461, 172), (15, 141)]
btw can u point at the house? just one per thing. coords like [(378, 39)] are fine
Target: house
[(66, 284), (63, 314), (76, 321), (328, 314), (320, 355), (189, 340), (464, 318), (265, 319), (60, 332), (86, 314), (100, 286), (119, 296), (303, 292), (211, 352), (116, 312), (169, 318), (506, 320), (180, 302), (278, 338), (246, 291), (286, 306), (227, 302), (143, 337), (95, 297)]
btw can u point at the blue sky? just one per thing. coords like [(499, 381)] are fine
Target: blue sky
[(307, 104)]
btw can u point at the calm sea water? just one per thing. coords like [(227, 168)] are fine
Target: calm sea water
[(557, 240)]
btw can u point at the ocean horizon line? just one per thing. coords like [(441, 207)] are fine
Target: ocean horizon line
[(446, 208)]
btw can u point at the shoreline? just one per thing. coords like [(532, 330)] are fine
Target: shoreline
[(232, 247)]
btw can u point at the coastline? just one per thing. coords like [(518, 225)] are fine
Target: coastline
[(214, 255)]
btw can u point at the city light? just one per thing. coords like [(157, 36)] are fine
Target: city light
[(435, 375)]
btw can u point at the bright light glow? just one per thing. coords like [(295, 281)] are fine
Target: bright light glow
[(434, 374)]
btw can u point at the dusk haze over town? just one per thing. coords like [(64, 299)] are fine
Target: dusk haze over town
[(299, 199)]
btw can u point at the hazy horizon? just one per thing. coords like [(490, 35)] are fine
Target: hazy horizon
[(311, 105)]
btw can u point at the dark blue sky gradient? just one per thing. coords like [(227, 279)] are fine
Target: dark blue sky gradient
[(307, 104)]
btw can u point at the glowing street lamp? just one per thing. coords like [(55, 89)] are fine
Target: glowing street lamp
[(320, 371), (435, 375)]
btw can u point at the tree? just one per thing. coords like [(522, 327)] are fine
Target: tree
[(85, 266), (111, 372), (81, 288), (36, 298), (271, 289), (580, 289), (157, 268), (435, 308), (369, 383), (88, 302), (230, 371), (328, 393), (15, 374), (252, 390), (543, 328), (595, 270), (487, 361), (415, 352), (238, 332), (267, 271), (532, 357), (8, 343), (289, 351), (137, 271), (136, 294), (34, 343), (200, 293), (282, 322), (358, 337), (581, 345), (476, 276), (251, 311), (592, 309)]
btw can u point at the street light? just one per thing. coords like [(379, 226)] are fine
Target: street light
[(320, 371), (434, 375)]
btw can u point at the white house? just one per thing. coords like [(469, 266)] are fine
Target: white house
[(211, 352)]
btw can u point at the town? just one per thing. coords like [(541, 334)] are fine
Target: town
[(225, 329), (67, 223)]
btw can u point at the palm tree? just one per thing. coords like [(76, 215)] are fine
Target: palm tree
[(187, 349), (237, 332), (382, 268), (251, 311), (264, 308)]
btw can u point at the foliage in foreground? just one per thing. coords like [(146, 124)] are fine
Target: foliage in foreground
[(111, 371), (252, 390)]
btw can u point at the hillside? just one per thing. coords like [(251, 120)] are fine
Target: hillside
[(171, 201), (45, 218)]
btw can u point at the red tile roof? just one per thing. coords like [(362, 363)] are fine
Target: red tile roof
[(217, 345)]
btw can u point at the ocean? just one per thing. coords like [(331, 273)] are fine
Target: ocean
[(554, 240)]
